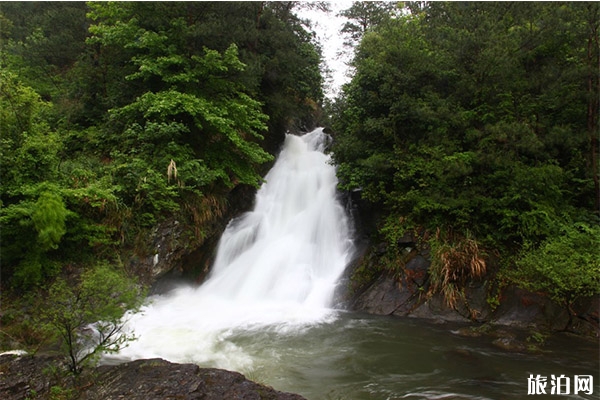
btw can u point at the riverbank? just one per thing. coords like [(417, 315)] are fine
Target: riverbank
[(399, 279), (357, 357), (39, 377)]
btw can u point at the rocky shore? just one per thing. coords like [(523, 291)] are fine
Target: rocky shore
[(406, 293), (39, 377)]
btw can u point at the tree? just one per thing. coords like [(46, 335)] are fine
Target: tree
[(592, 11), (49, 204), (473, 119), (281, 58), (33, 214), (43, 41), (363, 16), (99, 101), (193, 114), (88, 317)]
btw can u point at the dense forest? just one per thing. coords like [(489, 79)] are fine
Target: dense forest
[(474, 125), (117, 116)]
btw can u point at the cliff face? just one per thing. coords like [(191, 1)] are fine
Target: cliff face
[(402, 287), (185, 249), (27, 377), (405, 291)]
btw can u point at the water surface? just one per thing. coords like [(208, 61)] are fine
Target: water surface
[(368, 357)]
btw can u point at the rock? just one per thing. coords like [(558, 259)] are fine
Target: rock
[(467, 332), (22, 376), (509, 344), (407, 240), (167, 246), (406, 292), (163, 251), (436, 309), (416, 270), (521, 308), (154, 379), (160, 379), (386, 296), (179, 248)]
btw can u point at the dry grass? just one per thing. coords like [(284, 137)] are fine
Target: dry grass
[(172, 171), (455, 262), (205, 211)]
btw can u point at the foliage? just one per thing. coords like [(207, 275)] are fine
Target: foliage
[(362, 16), (280, 57), (115, 116), (566, 266), (48, 205), (476, 118), (88, 316), (196, 116), (101, 102), (60, 393), (33, 215), (29, 148), (41, 42), (49, 219)]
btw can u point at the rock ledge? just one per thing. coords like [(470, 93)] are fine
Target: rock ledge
[(24, 377)]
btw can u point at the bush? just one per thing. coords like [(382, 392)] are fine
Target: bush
[(566, 266), (88, 316)]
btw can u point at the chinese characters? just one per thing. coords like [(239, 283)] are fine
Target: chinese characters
[(561, 384)]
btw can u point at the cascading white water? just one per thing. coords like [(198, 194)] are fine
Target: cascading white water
[(265, 310), (276, 268)]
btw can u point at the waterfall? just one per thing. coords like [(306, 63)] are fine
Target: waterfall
[(276, 268)]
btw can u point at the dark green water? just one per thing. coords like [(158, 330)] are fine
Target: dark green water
[(365, 357)]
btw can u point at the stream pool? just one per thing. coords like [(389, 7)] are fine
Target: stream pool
[(366, 357), (351, 356), (265, 311)]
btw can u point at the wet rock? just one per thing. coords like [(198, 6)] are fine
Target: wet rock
[(434, 308), (406, 293), (167, 244), (23, 377), (386, 296), (161, 252), (521, 308), (510, 344), (160, 379), (416, 270), (468, 331)]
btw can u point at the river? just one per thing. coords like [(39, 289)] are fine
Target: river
[(367, 357), (266, 311)]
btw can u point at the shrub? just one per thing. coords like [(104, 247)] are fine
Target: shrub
[(566, 266), (88, 316)]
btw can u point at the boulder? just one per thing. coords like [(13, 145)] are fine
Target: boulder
[(404, 289), (160, 379), (385, 296), (23, 377)]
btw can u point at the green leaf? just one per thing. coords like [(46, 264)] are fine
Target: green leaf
[(49, 216)]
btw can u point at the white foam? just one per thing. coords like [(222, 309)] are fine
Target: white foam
[(276, 266)]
